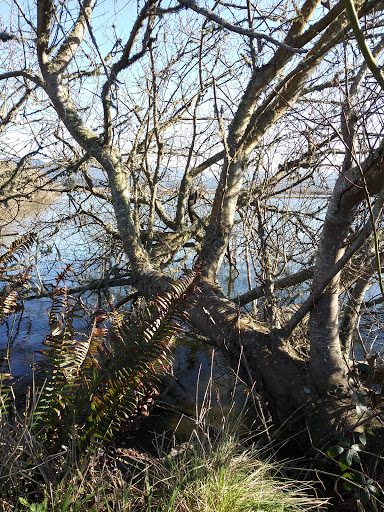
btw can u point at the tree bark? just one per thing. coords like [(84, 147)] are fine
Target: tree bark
[(267, 362)]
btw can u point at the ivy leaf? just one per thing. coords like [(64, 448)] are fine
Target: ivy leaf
[(334, 451)]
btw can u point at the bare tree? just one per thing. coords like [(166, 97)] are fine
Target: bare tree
[(214, 133)]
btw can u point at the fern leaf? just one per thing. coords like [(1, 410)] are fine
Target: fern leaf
[(11, 293), (97, 381), (16, 250), (138, 353)]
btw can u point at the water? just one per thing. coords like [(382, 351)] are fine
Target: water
[(203, 388), (201, 379), (195, 367)]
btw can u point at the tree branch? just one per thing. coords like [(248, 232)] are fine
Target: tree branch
[(362, 43), (316, 294), (279, 284), (20, 73), (253, 34)]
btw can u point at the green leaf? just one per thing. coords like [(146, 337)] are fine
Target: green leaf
[(343, 466), (373, 490), (363, 439), (339, 392), (334, 451), (355, 456), (360, 410), (358, 397), (364, 368), (350, 475), (349, 486), (38, 507), (360, 478), (365, 496), (347, 458), (344, 441)]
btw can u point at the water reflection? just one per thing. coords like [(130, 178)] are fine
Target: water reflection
[(202, 384)]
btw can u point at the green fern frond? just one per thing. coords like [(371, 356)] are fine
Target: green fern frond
[(97, 381), (58, 362)]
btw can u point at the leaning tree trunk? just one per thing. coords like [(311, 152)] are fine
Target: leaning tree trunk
[(327, 360), (266, 362)]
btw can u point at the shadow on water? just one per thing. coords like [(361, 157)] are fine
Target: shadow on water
[(202, 384)]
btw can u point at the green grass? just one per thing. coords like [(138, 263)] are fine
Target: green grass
[(216, 471)]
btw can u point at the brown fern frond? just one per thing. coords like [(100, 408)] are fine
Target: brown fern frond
[(10, 296), (16, 250)]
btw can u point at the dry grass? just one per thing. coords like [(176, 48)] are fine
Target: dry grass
[(214, 472)]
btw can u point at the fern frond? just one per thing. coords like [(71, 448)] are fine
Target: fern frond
[(137, 355), (16, 250), (58, 362), (12, 290), (97, 381), (5, 391)]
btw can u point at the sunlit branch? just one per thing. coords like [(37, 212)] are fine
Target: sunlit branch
[(235, 28), (20, 73)]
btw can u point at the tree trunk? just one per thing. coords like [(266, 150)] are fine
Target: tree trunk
[(268, 364)]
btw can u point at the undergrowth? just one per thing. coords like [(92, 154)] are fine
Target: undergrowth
[(54, 453), (220, 470), (217, 470)]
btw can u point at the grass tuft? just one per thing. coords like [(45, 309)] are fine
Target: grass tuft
[(216, 472)]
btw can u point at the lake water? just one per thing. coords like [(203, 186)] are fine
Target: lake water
[(195, 367), (200, 378)]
